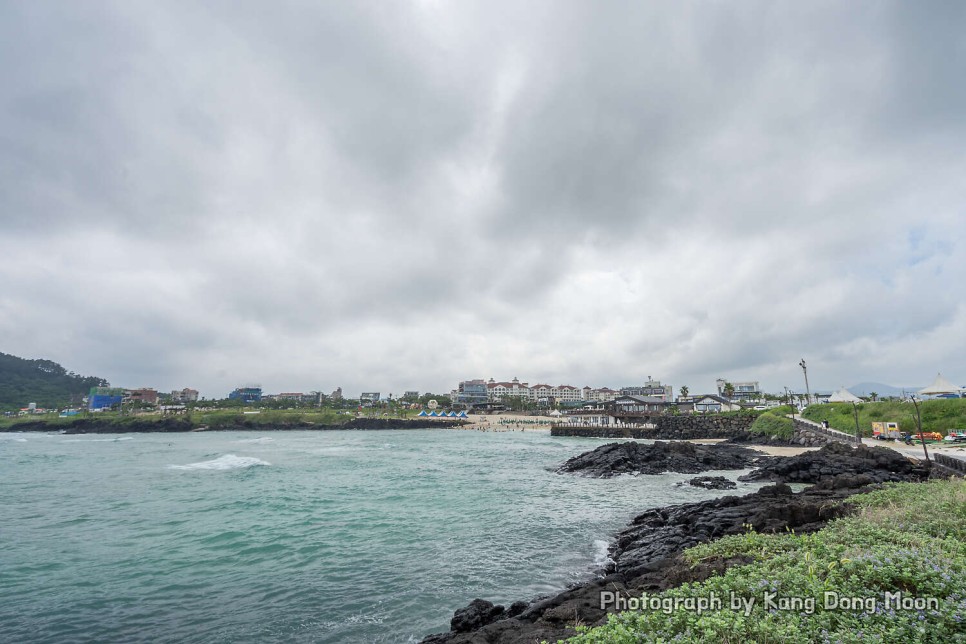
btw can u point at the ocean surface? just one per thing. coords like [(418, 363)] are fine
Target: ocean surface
[(373, 536)]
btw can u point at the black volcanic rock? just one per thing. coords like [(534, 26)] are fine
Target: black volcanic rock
[(647, 558), (713, 483), (477, 613), (875, 464), (630, 457)]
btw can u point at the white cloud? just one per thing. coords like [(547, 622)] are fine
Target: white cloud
[(406, 197)]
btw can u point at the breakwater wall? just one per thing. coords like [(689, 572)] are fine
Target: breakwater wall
[(949, 466), (813, 434), (807, 433), (665, 428)]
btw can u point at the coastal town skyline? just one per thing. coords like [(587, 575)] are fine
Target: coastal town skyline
[(392, 196)]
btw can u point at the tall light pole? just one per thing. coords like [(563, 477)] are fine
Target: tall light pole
[(921, 437), (808, 393), (858, 433)]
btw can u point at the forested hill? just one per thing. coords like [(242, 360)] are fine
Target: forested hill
[(41, 381)]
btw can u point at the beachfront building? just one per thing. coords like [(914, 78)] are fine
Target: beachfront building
[(747, 390), (652, 389), (592, 414), (709, 403), (471, 392), (567, 395), (498, 391), (184, 395), (637, 411), (144, 395), (105, 397), (601, 394), (246, 394)]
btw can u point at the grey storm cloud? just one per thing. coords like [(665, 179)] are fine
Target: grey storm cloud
[(390, 196)]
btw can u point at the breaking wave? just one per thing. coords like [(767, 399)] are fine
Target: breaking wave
[(226, 462)]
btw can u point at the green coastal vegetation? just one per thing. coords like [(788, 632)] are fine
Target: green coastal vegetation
[(774, 422), (938, 415), (839, 584), (40, 381), (204, 418)]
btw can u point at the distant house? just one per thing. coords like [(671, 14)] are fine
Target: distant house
[(652, 388), (144, 395), (247, 394), (708, 403), (369, 397), (185, 395), (747, 390), (105, 397)]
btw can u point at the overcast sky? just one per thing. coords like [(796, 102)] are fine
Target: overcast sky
[(386, 196)]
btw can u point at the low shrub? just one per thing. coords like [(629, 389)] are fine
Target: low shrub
[(770, 424)]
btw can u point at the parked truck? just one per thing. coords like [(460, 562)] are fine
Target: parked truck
[(886, 431)]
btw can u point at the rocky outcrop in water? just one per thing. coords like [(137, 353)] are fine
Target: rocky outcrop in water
[(877, 464), (713, 483), (646, 557), (614, 459)]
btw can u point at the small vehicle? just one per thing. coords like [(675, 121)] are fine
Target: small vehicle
[(928, 437), (955, 436), (886, 431)]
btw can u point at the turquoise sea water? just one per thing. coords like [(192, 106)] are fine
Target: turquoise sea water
[(294, 536)]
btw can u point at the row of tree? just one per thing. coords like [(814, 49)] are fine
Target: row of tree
[(43, 382)]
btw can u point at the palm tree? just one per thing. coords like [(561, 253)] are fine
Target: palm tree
[(684, 391), (873, 395), (729, 390)]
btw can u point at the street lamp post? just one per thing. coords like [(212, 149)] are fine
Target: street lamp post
[(858, 433), (808, 392), (921, 437)]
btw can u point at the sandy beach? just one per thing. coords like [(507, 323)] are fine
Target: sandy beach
[(508, 422)]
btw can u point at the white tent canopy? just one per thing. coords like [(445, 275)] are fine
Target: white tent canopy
[(843, 395), (940, 386)]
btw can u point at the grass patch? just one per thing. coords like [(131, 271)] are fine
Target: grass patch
[(907, 538), (771, 424), (938, 415)]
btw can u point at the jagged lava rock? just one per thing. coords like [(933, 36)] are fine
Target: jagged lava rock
[(713, 483), (632, 457), (877, 464)]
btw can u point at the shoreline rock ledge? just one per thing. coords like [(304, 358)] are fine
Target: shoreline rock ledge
[(646, 556), (614, 459)]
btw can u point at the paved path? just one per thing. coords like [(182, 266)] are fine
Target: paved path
[(914, 450)]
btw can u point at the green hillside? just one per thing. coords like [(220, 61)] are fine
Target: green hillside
[(41, 381), (938, 415)]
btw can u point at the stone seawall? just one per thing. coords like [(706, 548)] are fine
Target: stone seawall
[(807, 433), (666, 428), (812, 434)]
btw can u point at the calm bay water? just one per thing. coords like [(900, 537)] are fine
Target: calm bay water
[(294, 536)]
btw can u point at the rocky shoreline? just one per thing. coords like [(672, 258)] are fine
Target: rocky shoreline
[(647, 555), (635, 458), (174, 424)]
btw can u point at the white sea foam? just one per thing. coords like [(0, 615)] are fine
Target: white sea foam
[(226, 462), (98, 440), (13, 439), (601, 555), (256, 441)]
